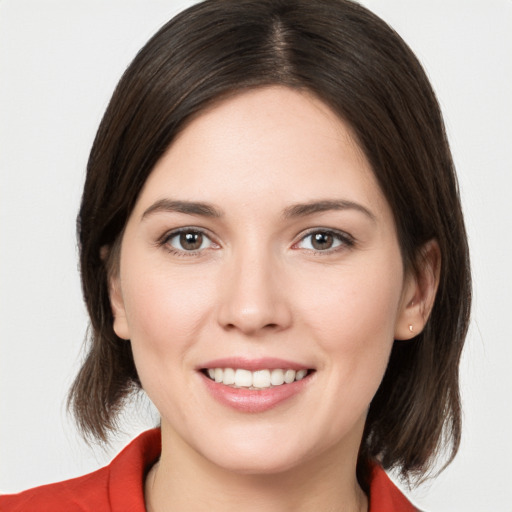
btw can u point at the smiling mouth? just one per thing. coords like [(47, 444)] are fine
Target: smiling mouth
[(260, 379)]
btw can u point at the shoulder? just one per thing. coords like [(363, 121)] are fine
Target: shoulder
[(116, 487), (89, 492), (385, 495)]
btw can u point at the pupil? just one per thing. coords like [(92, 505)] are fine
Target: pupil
[(322, 241), (191, 241)]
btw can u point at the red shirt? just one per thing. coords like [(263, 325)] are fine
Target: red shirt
[(119, 487)]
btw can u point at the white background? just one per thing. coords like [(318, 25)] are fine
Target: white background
[(59, 63)]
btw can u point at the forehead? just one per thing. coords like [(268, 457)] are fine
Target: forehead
[(273, 145)]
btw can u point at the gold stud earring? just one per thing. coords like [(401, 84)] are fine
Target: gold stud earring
[(410, 328)]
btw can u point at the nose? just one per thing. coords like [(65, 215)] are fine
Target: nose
[(254, 296)]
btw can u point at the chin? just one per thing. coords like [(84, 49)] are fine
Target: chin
[(261, 457), (243, 464)]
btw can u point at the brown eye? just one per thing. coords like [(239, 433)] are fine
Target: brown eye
[(325, 241), (188, 240), (191, 241), (322, 241)]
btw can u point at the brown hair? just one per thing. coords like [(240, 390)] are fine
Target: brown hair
[(362, 69)]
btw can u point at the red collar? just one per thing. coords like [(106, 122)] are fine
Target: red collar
[(385, 495)]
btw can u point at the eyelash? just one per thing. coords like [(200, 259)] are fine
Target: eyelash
[(345, 240), (167, 237)]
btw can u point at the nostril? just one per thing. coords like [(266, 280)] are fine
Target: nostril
[(248, 328)]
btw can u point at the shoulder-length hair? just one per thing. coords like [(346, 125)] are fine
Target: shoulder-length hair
[(363, 71)]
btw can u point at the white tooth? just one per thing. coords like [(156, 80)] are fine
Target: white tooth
[(277, 377), (300, 374), (289, 376), (243, 378), (211, 373), (218, 374), (261, 379), (229, 376)]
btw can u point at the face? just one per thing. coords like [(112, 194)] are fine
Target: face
[(261, 285)]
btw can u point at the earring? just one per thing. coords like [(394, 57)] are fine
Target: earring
[(410, 328)]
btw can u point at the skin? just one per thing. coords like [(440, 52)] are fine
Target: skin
[(258, 288)]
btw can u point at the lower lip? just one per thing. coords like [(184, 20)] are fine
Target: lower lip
[(252, 400)]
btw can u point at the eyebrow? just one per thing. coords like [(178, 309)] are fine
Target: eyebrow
[(293, 211), (187, 207), (305, 209)]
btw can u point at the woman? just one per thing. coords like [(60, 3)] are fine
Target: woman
[(272, 247)]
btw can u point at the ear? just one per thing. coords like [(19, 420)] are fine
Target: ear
[(110, 255), (120, 324), (419, 293)]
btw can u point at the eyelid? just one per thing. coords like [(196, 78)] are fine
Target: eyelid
[(168, 235), (347, 240)]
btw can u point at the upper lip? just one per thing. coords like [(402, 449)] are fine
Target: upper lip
[(263, 363)]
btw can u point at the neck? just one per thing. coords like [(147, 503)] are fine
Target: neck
[(182, 482)]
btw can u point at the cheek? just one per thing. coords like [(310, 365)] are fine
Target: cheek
[(352, 317), (353, 326), (355, 303), (165, 307), (166, 312)]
